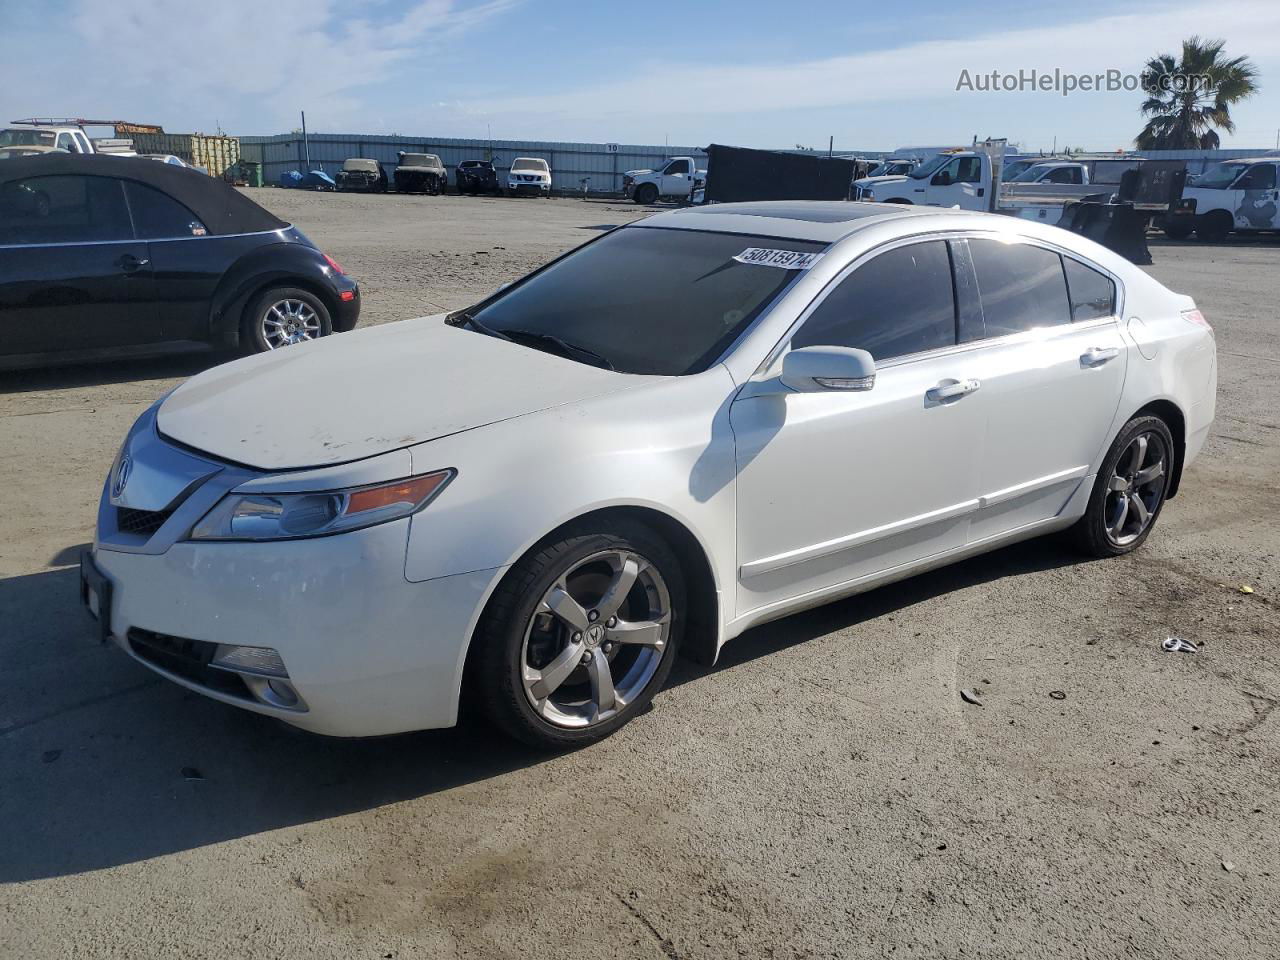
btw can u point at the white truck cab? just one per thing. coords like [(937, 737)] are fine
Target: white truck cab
[(1235, 195), (955, 179), (72, 139), (674, 180)]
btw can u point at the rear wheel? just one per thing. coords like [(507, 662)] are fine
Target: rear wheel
[(1129, 491), (580, 635), (283, 316), (646, 194), (1214, 227)]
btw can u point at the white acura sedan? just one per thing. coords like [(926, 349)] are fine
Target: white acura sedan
[(686, 427)]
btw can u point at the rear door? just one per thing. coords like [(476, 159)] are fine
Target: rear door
[(72, 275), (1052, 361)]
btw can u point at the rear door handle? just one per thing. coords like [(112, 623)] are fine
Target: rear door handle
[(131, 264), (1097, 356), (950, 391)]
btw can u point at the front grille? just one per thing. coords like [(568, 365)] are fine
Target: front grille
[(142, 522), (186, 658)]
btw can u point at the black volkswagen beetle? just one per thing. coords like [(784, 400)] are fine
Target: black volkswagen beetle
[(103, 251), (476, 176)]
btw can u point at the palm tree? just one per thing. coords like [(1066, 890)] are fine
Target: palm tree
[(1183, 115)]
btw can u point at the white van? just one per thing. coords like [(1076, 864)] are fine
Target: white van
[(1235, 195)]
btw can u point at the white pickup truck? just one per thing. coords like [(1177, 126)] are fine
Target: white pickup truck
[(1239, 195), (674, 181)]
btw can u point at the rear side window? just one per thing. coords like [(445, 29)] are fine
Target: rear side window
[(1022, 287), (1093, 295), (63, 209), (1261, 177), (899, 303), (157, 216)]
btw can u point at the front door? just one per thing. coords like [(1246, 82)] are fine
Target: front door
[(677, 178), (72, 276), (835, 487), (959, 183)]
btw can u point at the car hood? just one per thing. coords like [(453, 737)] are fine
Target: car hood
[(636, 173), (369, 392), (887, 178)]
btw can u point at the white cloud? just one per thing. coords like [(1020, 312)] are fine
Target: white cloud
[(234, 61)]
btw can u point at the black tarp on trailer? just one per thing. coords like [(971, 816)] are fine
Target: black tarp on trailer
[(736, 174)]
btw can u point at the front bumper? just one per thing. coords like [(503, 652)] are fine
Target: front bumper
[(368, 652), (525, 186)]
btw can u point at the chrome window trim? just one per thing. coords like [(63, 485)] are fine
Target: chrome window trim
[(100, 243), (1039, 333)]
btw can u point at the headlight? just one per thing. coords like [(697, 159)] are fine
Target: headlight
[(284, 516)]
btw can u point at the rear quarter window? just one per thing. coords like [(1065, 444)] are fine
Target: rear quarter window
[(1093, 294)]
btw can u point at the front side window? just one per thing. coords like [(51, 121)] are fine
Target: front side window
[(157, 216), (1021, 286), (899, 303), (677, 168), (643, 300), (1093, 295), (1064, 175), (1261, 177), (66, 142), (63, 209)]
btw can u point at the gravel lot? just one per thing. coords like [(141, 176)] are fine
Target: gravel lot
[(822, 792)]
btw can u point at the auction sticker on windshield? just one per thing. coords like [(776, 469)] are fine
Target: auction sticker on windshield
[(785, 259)]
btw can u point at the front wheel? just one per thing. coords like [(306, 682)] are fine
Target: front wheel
[(646, 194), (1130, 490), (1177, 231), (1214, 227), (580, 635)]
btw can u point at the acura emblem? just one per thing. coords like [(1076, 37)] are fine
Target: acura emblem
[(122, 476)]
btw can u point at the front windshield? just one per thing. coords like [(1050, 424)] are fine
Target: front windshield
[(646, 300), (930, 167), (526, 164), (1219, 176), (26, 138)]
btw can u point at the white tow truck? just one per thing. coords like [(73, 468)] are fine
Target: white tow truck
[(675, 181)]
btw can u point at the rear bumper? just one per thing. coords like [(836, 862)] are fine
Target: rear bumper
[(346, 312)]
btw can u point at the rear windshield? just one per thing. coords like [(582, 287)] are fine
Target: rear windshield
[(524, 163), (26, 138), (645, 299)]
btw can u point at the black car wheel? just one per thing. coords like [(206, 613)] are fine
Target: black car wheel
[(283, 316), (1214, 227), (1177, 230), (646, 194)]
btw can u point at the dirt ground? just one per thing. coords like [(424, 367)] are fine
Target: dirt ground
[(823, 792)]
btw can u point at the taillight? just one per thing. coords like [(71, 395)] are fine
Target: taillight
[(333, 263), (1196, 317)]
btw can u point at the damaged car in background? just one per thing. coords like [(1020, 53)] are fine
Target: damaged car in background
[(420, 173), (360, 174), (535, 503)]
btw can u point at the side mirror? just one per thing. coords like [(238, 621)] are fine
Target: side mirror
[(813, 369)]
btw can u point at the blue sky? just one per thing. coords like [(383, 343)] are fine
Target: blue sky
[(749, 72)]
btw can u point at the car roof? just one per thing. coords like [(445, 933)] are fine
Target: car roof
[(221, 208), (824, 221)]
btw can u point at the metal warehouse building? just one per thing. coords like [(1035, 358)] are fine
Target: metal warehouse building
[(602, 163)]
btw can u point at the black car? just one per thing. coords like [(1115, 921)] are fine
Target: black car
[(476, 176), (103, 251)]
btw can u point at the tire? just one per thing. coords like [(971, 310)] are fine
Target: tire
[(1178, 231), (646, 194), (901, 200), (1214, 227), (519, 637), (1098, 533), (309, 319)]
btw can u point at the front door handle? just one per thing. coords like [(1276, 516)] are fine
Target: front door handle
[(950, 391), (1097, 356), (131, 264)]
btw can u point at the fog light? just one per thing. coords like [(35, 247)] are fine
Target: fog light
[(259, 661)]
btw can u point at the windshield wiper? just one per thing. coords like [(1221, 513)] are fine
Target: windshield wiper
[(461, 318), (564, 347)]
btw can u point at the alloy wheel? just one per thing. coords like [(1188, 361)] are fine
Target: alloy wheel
[(289, 321), (596, 639), (1135, 489)]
